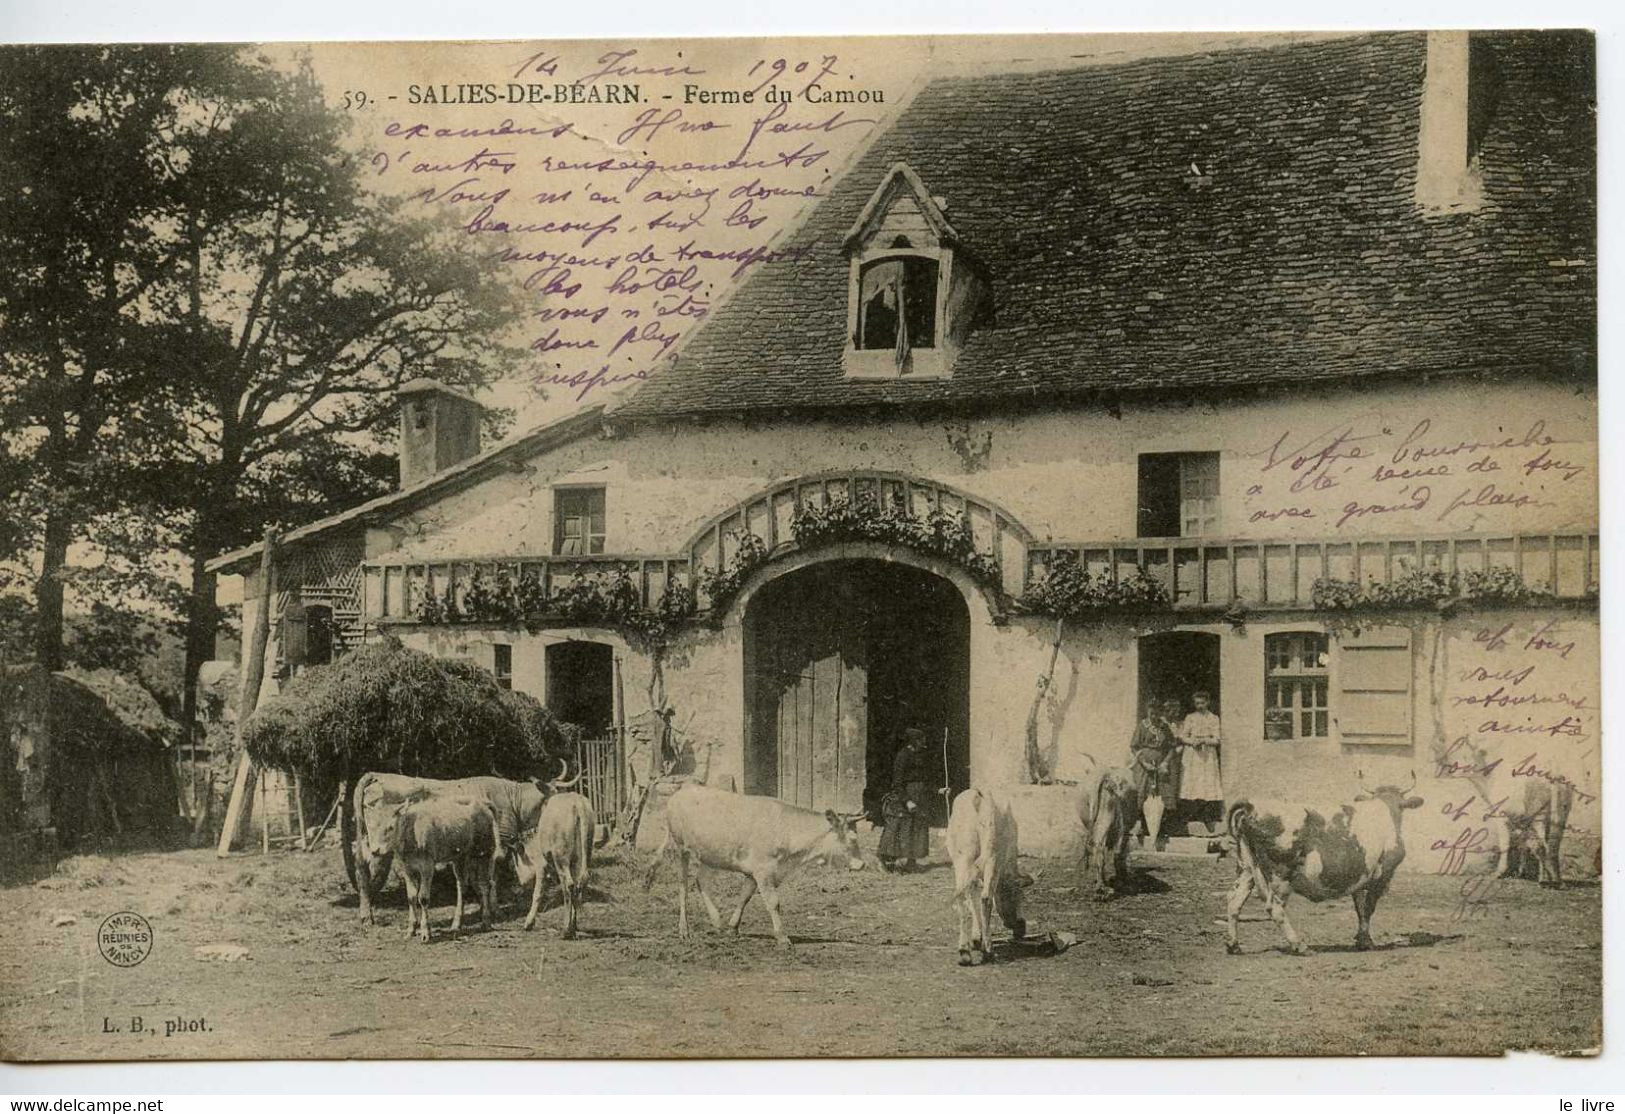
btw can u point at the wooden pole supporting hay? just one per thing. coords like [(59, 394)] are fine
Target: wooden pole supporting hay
[(249, 698)]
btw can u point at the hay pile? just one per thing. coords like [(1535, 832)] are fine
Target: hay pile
[(386, 707), (88, 754)]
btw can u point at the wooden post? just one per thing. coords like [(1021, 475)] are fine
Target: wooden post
[(299, 811), (249, 695)]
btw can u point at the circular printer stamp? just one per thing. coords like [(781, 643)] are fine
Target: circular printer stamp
[(125, 939)]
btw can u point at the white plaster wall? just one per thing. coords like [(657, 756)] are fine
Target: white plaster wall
[(1073, 475)]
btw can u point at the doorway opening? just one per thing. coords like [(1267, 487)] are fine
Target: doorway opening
[(1175, 666), (840, 658), (581, 685)]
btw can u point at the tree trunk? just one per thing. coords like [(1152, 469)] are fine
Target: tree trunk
[(1037, 772), (48, 634)]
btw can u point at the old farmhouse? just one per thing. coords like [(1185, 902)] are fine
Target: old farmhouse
[(1266, 372)]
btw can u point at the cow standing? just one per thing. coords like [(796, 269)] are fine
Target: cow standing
[(1108, 808), (517, 805), (562, 840), (765, 840), (1351, 851), (1534, 815), (983, 844), (432, 830)]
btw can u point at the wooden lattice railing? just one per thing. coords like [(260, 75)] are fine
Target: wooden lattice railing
[(1217, 572)]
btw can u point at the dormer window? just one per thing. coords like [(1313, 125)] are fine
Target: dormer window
[(913, 292), (898, 310)]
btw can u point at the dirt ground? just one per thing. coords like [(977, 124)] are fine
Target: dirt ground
[(873, 972)]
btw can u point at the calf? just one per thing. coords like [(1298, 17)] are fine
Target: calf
[(562, 840), (461, 831), (1350, 851), (1108, 808), (982, 841), (765, 840)]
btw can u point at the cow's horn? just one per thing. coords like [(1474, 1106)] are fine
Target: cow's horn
[(1412, 785), (564, 768)]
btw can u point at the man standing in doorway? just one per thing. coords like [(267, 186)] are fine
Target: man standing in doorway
[(908, 832), (1155, 754), (1199, 782)]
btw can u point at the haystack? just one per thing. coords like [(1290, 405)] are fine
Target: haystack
[(88, 753), (386, 707)]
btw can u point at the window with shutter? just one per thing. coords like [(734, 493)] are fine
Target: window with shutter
[(1178, 495), (1374, 673), (578, 521)]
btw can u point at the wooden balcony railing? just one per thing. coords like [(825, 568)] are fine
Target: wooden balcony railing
[(394, 590), (1212, 572)]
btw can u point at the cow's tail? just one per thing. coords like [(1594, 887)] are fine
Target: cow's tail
[(586, 822)]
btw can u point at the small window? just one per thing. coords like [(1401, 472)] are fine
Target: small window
[(1179, 495), (897, 304), (502, 664), (578, 521), (1296, 686), (318, 635)]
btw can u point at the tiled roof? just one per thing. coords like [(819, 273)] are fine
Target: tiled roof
[(1304, 258)]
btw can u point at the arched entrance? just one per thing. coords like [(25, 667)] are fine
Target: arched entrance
[(840, 657)]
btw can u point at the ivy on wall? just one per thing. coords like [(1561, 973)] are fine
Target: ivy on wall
[(1069, 591), (1428, 588), (606, 600), (939, 533)]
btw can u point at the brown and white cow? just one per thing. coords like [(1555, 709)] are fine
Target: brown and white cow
[(764, 839), (1108, 808), (430, 830), (1348, 851), (562, 841), (983, 844), (517, 805)]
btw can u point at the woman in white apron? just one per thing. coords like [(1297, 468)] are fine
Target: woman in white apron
[(1201, 736)]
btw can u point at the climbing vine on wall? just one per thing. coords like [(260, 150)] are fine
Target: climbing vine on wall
[(939, 533), (1069, 591), (1428, 588), (610, 600)]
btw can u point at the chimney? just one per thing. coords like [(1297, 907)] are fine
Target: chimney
[(1447, 176), (440, 427)]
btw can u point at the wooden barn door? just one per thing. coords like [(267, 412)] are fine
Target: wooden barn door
[(813, 676)]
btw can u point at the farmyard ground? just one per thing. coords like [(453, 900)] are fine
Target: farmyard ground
[(872, 973)]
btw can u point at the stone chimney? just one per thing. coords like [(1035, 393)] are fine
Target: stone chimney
[(440, 427), (1447, 175)]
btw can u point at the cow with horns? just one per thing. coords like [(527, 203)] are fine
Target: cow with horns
[(1349, 851), (377, 797)]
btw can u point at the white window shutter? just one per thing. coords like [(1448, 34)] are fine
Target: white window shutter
[(1374, 681)]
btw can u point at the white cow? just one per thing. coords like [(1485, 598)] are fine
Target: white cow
[(982, 841), (765, 840), (562, 840)]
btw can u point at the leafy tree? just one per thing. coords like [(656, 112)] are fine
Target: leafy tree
[(302, 302), (203, 318), (87, 229)]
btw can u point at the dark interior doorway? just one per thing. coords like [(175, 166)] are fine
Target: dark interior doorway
[(581, 685), (840, 658), (1175, 664)]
